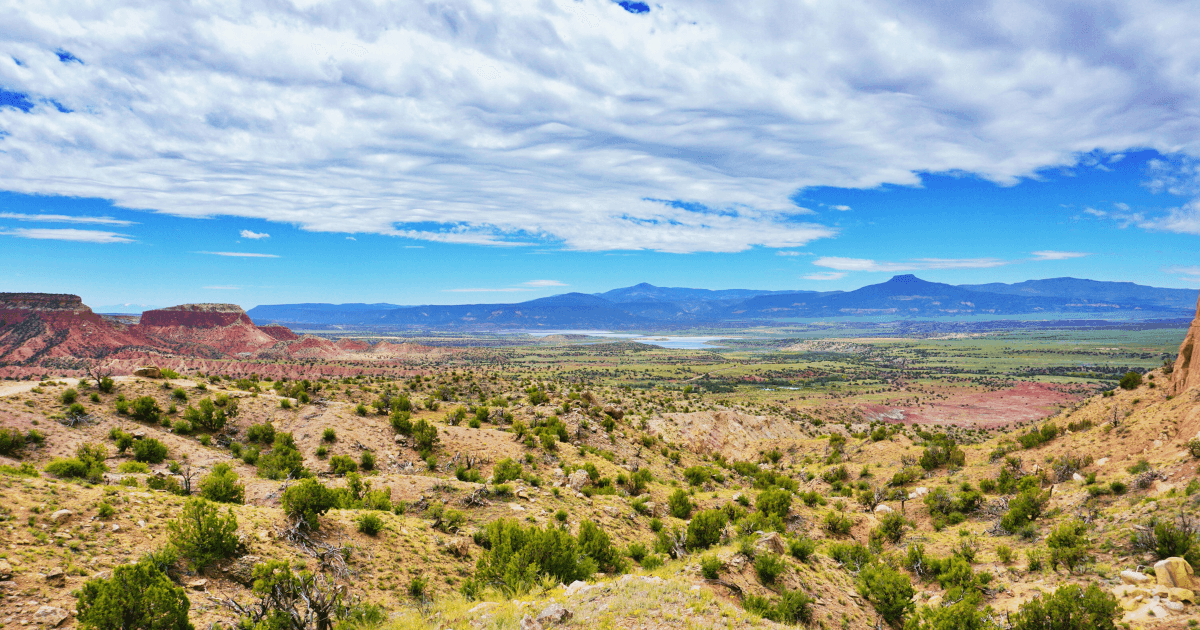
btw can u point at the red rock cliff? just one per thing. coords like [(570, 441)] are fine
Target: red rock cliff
[(1186, 374), (280, 333), (197, 316)]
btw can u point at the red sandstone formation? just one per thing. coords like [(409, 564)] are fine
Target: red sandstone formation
[(279, 333), (37, 326), (1186, 373)]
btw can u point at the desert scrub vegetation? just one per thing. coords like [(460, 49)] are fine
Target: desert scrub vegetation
[(136, 597), (202, 534)]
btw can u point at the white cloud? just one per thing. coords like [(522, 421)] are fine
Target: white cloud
[(502, 123), (239, 254), (1182, 220), (842, 208), (351, 238), (254, 235), (68, 234), (1184, 270), (918, 264), (63, 218), (1094, 212), (1053, 255), (825, 275), (787, 253), (544, 283)]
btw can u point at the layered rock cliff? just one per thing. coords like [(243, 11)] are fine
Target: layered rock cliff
[(1186, 373)]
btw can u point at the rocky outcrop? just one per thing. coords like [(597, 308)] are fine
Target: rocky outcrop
[(279, 333), (37, 326), (197, 316), (1186, 374)]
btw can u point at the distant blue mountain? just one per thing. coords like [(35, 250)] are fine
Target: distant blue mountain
[(646, 306)]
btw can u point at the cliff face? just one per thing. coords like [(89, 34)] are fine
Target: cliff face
[(197, 316), (34, 326), (280, 333), (1186, 374)]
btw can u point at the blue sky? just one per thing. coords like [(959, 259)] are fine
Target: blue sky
[(470, 152)]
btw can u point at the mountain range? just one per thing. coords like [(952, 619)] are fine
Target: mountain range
[(645, 306)]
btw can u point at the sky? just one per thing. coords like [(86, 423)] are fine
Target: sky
[(466, 151)]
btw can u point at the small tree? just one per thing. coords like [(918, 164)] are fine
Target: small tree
[(425, 438), (506, 470), (145, 409), (705, 529), (136, 597), (680, 504), (1131, 380), (149, 450), (888, 590), (221, 485), (1068, 545), (307, 501), (202, 534), (774, 502)]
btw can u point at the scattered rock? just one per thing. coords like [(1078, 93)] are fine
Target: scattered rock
[(615, 412), (1078, 477), (1135, 578), (5, 570), (529, 623), (197, 585), (1181, 595), (241, 570), (482, 607), (883, 509), (459, 546), (553, 614), (49, 616), (1102, 461), (148, 371), (61, 516), (578, 479), (1174, 573), (772, 543), (56, 577)]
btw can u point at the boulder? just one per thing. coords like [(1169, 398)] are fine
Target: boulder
[(553, 614), (1078, 477), (578, 479), (5, 570), (241, 570), (49, 616), (1185, 374), (1181, 595), (1135, 578), (56, 577), (772, 543), (148, 371), (196, 585), (883, 509), (616, 413), (529, 623), (1174, 573), (61, 516)]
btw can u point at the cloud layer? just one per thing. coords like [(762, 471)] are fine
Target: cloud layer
[(686, 128)]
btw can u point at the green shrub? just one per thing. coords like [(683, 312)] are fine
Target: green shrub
[(425, 438), (342, 464), (1068, 545), (149, 450), (370, 524), (202, 535), (802, 548), (711, 567), (769, 566), (105, 510), (12, 441), (597, 545), (366, 461), (462, 473), (891, 528), (1024, 508), (1131, 380), (88, 464), (182, 427), (329, 435), (221, 485), (261, 433), (68, 396), (697, 475), (506, 470), (515, 557), (792, 607), (837, 524), (853, 555), (1069, 608), (136, 597), (652, 562), (888, 590), (705, 528), (283, 460), (680, 504), (145, 409), (212, 416), (307, 500), (774, 502), (133, 467)]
